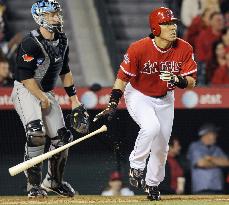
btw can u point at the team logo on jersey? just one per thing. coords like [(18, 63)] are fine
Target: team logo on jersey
[(155, 67), (27, 58), (126, 59)]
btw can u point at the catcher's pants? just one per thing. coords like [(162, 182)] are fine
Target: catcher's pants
[(29, 109), (155, 119)]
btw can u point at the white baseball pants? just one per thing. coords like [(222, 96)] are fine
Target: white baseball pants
[(155, 119)]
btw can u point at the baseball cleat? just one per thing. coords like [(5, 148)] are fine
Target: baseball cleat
[(63, 189), (153, 193), (136, 177), (37, 191)]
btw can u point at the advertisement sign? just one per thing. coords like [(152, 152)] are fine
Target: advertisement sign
[(197, 98)]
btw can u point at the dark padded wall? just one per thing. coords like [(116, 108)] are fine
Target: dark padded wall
[(91, 161)]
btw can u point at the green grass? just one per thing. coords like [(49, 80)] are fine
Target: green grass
[(136, 200)]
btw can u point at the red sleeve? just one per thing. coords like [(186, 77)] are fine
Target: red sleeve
[(189, 66), (128, 67)]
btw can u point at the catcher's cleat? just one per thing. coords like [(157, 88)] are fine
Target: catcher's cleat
[(37, 191), (136, 178), (153, 193), (63, 189)]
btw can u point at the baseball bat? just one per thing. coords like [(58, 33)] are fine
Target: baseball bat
[(36, 160)]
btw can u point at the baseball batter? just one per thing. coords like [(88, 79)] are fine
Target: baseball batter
[(41, 58), (152, 68)]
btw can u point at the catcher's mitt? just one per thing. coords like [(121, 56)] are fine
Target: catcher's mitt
[(79, 119)]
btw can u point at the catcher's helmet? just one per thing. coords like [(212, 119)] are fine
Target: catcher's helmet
[(159, 16), (42, 7)]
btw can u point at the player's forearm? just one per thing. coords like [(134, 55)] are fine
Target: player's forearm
[(67, 79), (220, 161), (119, 84), (191, 82), (33, 87), (204, 163), (68, 82), (117, 91)]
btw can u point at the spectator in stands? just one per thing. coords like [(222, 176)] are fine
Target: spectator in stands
[(221, 75), (225, 37), (207, 37), (218, 58), (116, 186), (8, 46), (191, 9), (174, 175), (206, 160), (199, 23), (188, 14), (5, 75), (204, 44)]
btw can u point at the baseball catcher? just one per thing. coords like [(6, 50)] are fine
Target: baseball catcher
[(43, 56)]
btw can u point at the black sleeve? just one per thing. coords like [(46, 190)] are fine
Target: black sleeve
[(27, 55), (65, 68)]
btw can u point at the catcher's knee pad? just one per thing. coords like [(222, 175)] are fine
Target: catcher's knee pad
[(35, 132), (63, 137)]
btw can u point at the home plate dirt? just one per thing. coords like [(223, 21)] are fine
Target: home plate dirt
[(137, 200)]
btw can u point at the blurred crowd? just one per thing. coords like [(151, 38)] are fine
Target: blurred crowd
[(206, 28), (203, 168), (204, 165), (204, 24), (8, 45)]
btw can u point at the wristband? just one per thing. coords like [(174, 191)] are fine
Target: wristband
[(182, 83), (115, 96), (71, 90)]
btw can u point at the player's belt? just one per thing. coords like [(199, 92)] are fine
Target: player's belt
[(161, 96)]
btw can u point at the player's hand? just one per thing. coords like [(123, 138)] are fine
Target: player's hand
[(45, 102), (168, 77), (108, 113)]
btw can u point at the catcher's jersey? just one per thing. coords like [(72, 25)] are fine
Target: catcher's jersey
[(144, 60), (42, 59)]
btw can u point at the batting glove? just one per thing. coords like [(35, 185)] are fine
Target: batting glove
[(177, 80), (108, 113), (168, 77)]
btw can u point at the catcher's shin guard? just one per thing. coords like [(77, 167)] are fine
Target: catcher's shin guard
[(33, 174), (56, 165)]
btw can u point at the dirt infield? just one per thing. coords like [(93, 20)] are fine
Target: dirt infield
[(138, 200)]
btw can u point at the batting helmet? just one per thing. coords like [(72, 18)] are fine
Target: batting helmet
[(159, 16)]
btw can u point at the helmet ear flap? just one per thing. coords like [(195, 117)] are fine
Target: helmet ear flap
[(156, 30)]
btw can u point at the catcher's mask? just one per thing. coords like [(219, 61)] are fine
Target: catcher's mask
[(42, 7)]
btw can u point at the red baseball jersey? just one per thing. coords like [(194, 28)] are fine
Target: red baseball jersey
[(144, 60)]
